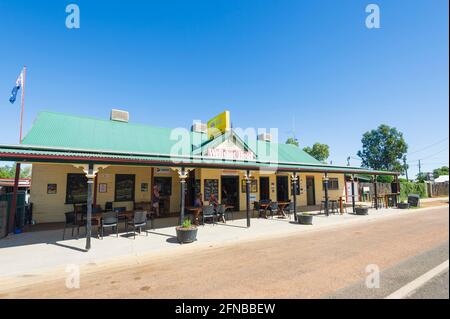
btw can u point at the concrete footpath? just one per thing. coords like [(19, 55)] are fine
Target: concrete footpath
[(30, 255)]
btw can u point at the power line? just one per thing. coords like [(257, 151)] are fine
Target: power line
[(428, 146), (430, 156)]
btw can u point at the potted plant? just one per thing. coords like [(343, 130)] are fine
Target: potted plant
[(305, 218), (186, 233), (361, 210)]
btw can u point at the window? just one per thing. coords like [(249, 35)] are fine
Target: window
[(124, 190), (76, 190), (164, 185), (333, 184)]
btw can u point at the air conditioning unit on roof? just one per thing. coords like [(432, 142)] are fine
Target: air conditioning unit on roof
[(119, 115)]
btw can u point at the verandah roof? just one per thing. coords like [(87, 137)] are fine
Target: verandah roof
[(63, 138)]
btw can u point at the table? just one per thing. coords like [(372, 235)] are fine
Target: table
[(98, 216), (281, 207)]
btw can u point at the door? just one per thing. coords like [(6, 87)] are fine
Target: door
[(282, 188), (264, 188), (310, 191), (230, 191)]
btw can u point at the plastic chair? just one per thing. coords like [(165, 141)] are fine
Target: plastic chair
[(208, 213), (273, 208), (139, 221), (289, 209), (110, 220)]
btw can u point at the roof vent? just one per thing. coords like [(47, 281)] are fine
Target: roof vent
[(267, 137), (199, 127), (119, 115)]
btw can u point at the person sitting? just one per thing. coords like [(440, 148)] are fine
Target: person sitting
[(213, 201), (198, 200)]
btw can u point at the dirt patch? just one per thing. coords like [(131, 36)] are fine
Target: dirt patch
[(303, 265)]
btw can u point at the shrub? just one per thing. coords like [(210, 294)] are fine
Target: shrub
[(407, 188), (187, 223)]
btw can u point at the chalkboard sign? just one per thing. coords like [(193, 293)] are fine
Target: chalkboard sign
[(211, 187)]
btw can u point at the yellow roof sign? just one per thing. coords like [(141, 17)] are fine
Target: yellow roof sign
[(219, 124)]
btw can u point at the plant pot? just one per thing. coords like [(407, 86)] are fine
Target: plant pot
[(362, 211), (186, 235), (305, 219), (403, 205)]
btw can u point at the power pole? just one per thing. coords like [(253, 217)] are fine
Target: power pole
[(406, 167), (419, 168), (348, 161)]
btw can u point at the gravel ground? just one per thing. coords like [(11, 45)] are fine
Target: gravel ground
[(305, 265)]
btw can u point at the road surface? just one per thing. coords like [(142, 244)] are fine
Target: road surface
[(328, 263)]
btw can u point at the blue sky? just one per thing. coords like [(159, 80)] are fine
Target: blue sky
[(268, 62)]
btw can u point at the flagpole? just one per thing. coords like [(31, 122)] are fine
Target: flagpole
[(12, 213), (24, 75)]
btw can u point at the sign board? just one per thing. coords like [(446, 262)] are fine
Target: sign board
[(211, 187), (349, 192), (162, 170), (252, 198), (219, 124), (230, 154)]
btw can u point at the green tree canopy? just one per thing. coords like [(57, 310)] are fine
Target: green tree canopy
[(319, 151), (10, 171), (292, 140), (383, 148), (440, 171)]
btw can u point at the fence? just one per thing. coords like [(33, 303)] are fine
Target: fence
[(406, 188), (439, 189)]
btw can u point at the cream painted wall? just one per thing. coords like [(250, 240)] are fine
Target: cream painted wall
[(51, 207)]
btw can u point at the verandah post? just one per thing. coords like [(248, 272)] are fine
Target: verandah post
[(12, 212), (375, 190), (90, 180), (247, 193), (353, 193), (325, 184), (294, 192), (182, 174)]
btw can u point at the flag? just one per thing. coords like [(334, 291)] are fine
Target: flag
[(19, 84)]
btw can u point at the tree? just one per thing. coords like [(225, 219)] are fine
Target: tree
[(421, 177), (292, 140), (440, 171), (383, 148), (10, 171), (319, 151)]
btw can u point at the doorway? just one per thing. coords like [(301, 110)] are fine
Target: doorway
[(264, 188), (310, 191), (282, 189), (230, 191)]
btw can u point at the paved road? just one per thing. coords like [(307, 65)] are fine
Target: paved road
[(328, 263), (401, 274), (436, 288)]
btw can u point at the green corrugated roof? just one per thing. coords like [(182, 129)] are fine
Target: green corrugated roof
[(36, 154), (57, 137), (61, 130)]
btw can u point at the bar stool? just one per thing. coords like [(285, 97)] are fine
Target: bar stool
[(334, 206)]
